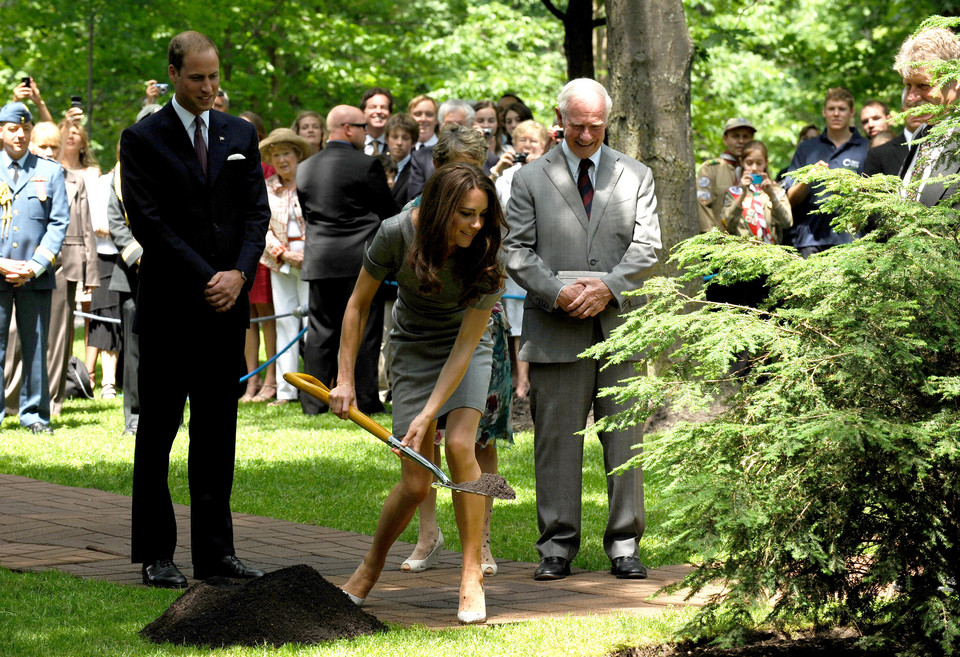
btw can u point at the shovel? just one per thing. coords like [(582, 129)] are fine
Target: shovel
[(488, 484)]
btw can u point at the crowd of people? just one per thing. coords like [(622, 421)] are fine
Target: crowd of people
[(445, 258)]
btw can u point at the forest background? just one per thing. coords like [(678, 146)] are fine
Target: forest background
[(769, 60)]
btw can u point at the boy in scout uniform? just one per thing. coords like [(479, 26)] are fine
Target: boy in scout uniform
[(719, 174), (33, 221)]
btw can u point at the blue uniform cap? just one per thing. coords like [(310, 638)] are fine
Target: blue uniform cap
[(15, 113)]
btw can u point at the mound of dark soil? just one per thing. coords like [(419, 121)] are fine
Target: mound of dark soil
[(293, 605)]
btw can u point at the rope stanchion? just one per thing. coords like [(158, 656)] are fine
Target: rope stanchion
[(300, 312)]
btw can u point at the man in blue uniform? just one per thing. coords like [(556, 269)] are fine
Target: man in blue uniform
[(33, 222), (839, 147)]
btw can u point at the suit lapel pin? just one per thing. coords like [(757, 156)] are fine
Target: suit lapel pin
[(221, 137)]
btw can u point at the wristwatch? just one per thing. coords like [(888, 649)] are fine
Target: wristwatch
[(243, 275)]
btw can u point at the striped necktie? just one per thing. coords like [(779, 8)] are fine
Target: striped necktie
[(585, 186)]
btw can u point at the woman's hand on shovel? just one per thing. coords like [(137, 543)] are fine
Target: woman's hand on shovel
[(341, 399), (416, 433)]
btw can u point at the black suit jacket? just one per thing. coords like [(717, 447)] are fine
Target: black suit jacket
[(400, 186), (191, 226), (421, 168), (343, 196), (887, 158)]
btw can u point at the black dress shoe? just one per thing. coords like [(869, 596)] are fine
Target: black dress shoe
[(164, 574), (228, 566), (628, 568), (40, 427), (551, 568)]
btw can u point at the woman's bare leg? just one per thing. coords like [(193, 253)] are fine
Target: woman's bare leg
[(428, 530), (460, 441), (487, 460), (269, 342), (398, 509)]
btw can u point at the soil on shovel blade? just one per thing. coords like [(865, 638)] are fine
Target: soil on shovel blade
[(293, 605), (490, 485)]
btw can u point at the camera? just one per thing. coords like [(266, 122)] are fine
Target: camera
[(162, 88), (520, 158), (76, 101), (27, 80), (756, 178), (558, 133), (487, 133)]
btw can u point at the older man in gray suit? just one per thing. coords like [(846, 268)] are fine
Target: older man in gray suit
[(583, 231)]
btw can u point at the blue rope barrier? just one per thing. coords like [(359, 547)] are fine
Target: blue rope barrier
[(504, 296), (275, 357)]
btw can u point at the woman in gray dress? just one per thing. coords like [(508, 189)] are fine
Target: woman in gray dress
[(444, 257)]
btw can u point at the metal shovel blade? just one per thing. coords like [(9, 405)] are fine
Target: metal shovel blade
[(489, 485)]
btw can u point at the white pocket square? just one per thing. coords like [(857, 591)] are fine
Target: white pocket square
[(236, 156)]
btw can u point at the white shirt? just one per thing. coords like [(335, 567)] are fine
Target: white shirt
[(189, 118), (368, 144), (430, 142), (573, 163), (404, 162)]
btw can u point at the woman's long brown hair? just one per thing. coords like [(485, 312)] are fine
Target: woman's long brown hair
[(475, 266)]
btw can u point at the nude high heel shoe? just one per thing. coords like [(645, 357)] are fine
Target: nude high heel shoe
[(420, 565)]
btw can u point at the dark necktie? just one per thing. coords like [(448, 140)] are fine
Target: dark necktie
[(200, 145), (914, 150), (585, 186), (16, 171)]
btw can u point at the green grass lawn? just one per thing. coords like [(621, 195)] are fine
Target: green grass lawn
[(315, 470), (57, 615)]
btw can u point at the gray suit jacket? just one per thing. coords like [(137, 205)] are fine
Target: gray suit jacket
[(550, 232)]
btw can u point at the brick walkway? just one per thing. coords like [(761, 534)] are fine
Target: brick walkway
[(85, 532)]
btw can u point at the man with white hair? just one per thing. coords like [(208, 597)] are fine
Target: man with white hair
[(583, 231), (936, 44)]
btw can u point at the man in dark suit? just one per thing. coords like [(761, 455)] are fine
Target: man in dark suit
[(344, 196), (195, 196), (888, 158), (583, 231), (402, 133)]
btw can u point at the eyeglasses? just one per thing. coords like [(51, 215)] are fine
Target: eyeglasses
[(356, 125)]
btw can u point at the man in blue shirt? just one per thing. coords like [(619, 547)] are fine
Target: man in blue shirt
[(839, 147), (33, 221)]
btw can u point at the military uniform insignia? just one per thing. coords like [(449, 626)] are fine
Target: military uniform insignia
[(6, 209), (704, 181), (704, 196), (41, 188)]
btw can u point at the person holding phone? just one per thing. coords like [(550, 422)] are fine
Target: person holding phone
[(756, 208), (27, 90)]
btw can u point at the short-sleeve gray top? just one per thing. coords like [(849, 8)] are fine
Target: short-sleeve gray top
[(425, 328)]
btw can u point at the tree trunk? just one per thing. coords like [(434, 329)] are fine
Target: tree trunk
[(650, 54), (578, 39)]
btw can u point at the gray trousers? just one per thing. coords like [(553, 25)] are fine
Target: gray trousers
[(561, 395)]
